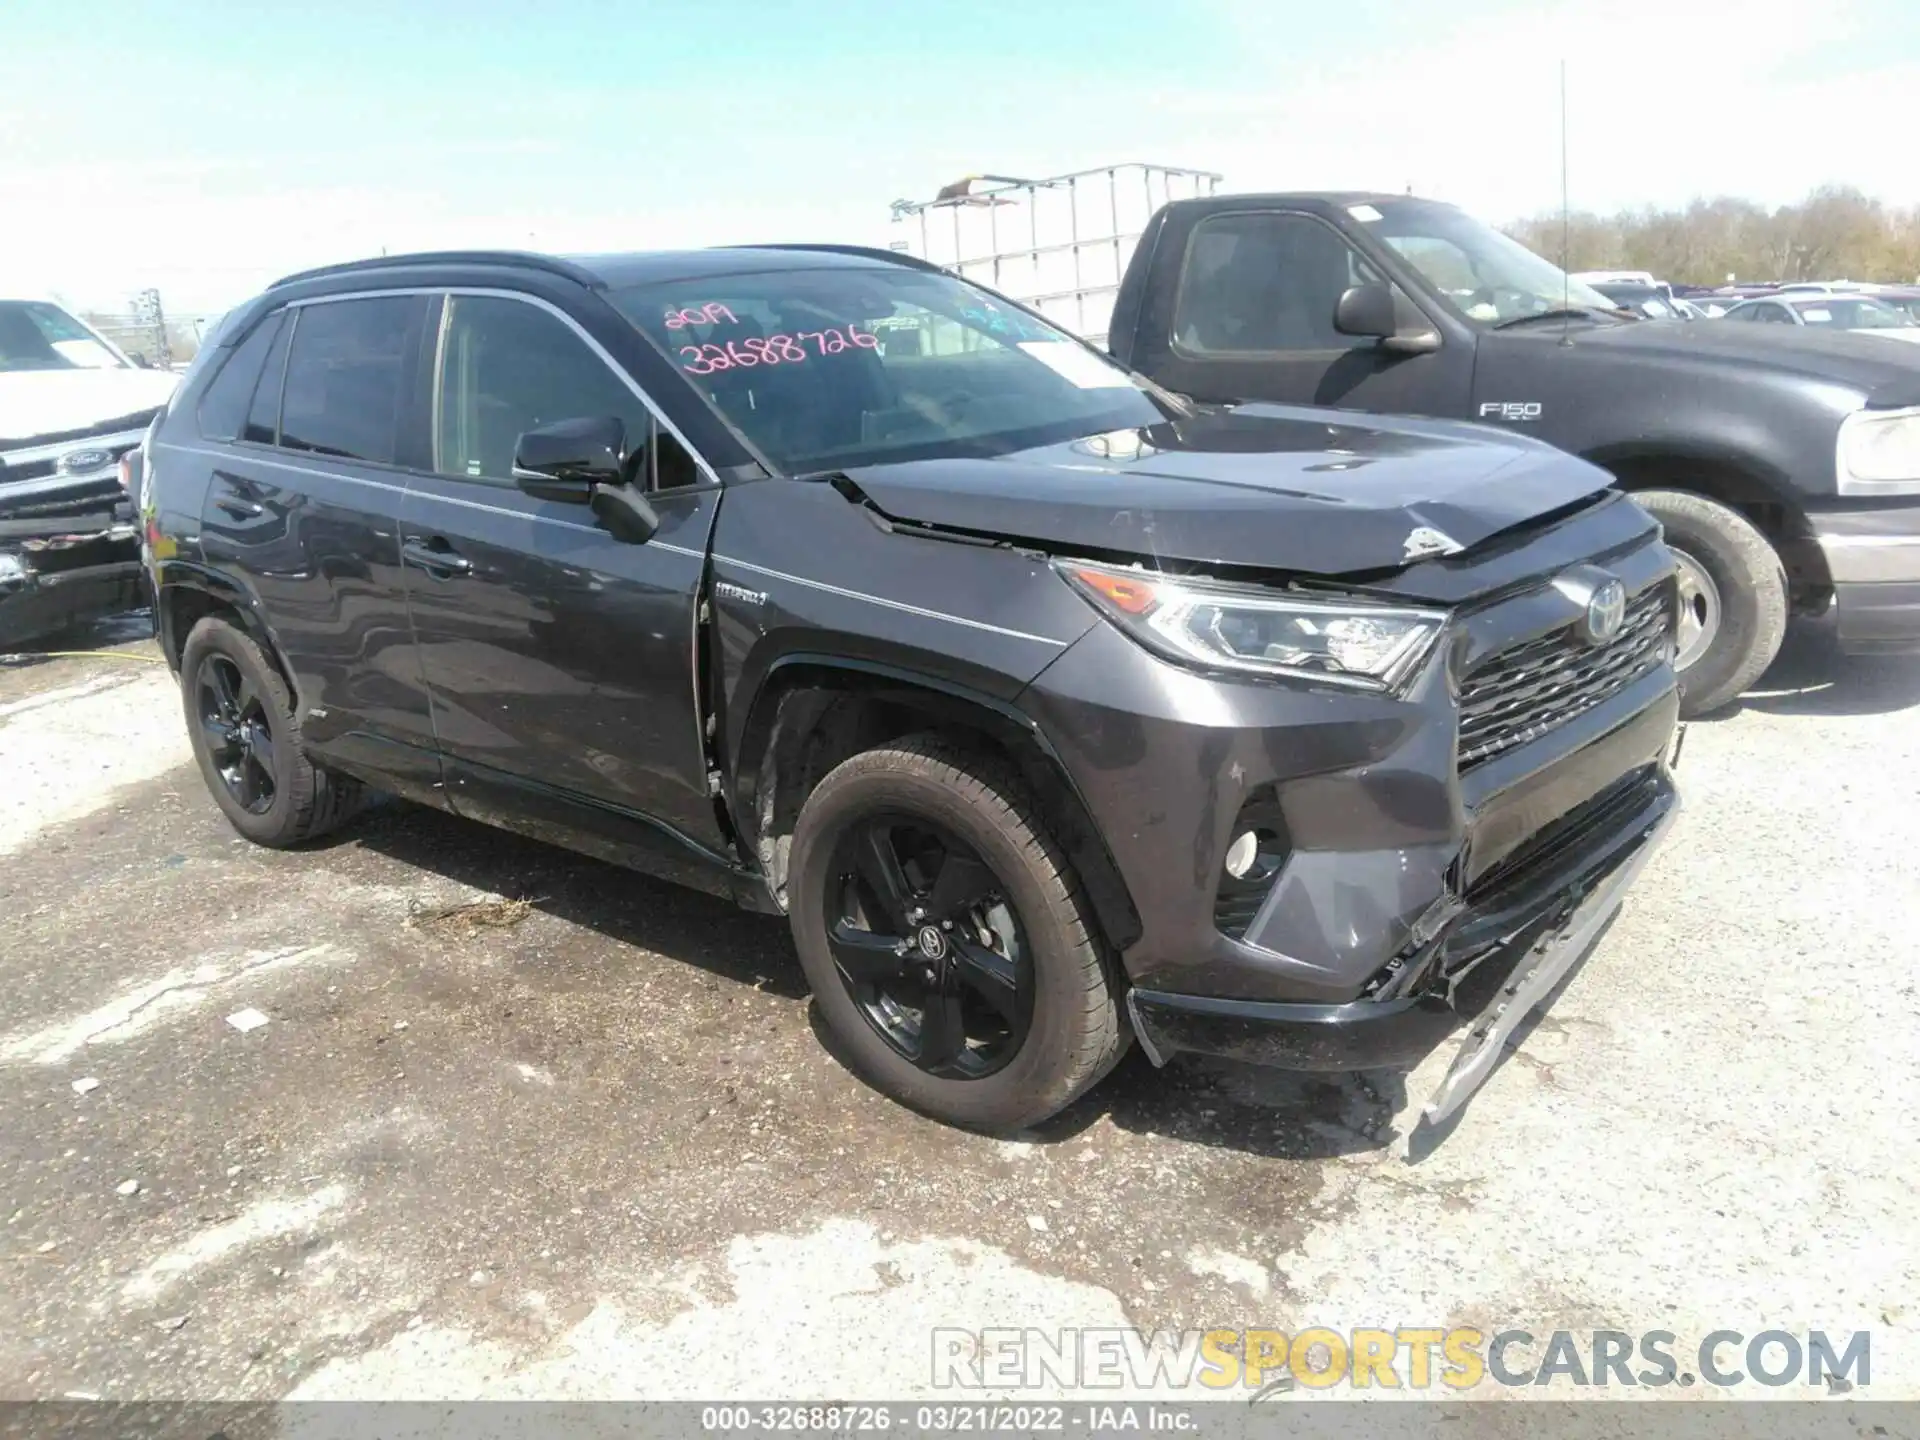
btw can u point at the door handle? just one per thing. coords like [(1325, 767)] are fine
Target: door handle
[(434, 556), (240, 509)]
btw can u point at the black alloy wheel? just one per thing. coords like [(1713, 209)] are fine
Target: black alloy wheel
[(239, 733), (928, 946)]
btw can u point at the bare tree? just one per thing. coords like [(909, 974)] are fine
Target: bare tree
[(1836, 232)]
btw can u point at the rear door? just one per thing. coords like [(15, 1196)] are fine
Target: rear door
[(562, 662), (303, 509), (1244, 311)]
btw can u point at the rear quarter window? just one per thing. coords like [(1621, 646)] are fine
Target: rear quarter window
[(229, 395)]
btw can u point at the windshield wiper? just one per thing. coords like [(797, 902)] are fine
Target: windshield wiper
[(1574, 312)]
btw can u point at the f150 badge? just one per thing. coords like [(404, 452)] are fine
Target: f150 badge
[(1510, 410)]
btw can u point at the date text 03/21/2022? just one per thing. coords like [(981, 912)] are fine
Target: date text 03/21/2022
[(705, 359)]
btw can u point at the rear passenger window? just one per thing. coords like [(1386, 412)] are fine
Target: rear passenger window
[(346, 377), (224, 404), (263, 416), (510, 367)]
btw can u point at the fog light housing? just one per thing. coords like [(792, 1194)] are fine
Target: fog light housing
[(1254, 856)]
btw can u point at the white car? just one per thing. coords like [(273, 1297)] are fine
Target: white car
[(71, 406), (1833, 311)]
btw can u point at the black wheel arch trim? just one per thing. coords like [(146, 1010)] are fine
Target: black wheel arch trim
[(942, 699), (229, 593), (1678, 450)]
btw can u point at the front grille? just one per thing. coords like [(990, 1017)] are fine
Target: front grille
[(83, 497), (39, 469), (1523, 691)]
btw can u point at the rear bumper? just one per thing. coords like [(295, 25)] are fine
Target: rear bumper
[(1520, 937), (1873, 557)]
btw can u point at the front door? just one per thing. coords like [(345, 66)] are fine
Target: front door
[(561, 662), (1251, 318)]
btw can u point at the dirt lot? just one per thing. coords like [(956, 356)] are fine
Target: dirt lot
[(590, 1145)]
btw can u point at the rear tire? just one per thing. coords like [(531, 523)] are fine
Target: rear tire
[(1735, 586), (246, 738), (1072, 1032)]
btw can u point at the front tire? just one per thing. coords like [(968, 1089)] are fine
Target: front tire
[(246, 738), (1733, 596), (949, 945)]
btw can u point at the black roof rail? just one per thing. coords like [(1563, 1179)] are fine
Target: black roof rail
[(869, 252), (524, 259)]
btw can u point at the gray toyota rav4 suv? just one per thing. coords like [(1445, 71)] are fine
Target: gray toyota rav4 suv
[(1054, 711)]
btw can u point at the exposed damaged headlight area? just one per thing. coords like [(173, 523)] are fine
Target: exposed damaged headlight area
[(1256, 630)]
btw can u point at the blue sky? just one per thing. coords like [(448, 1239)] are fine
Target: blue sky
[(207, 147)]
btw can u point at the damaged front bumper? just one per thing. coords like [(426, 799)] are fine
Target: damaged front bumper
[(69, 534), (1498, 957), (58, 571)]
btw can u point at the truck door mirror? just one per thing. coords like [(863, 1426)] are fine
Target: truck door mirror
[(1372, 309), (564, 460), (1366, 310)]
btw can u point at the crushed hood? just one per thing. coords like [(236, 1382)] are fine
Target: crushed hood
[(1261, 486), (35, 403)]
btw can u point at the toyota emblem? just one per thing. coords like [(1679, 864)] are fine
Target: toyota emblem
[(1606, 610)]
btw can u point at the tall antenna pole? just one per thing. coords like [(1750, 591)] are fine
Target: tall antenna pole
[(1566, 225)]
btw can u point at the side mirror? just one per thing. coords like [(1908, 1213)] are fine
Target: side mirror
[(1373, 310), (564, 461), (1366, 310), (627, 513)]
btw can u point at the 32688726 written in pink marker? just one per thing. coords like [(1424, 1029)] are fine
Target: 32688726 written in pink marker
[(774, 349)]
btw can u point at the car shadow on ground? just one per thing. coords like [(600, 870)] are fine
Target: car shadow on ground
[(1198, 1101), (626, 907), (1812, 677)]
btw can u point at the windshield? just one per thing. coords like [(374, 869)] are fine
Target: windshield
[(1851, 314), (832, 367), (38, 336), (1488, 276)]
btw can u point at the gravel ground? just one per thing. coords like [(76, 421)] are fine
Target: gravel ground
[(590, 1146)]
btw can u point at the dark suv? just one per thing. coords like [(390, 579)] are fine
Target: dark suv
[(1050, 708)]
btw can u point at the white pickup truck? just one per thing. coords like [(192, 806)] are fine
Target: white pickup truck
[(72, 405)]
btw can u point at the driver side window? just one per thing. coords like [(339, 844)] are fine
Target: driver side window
[(1264, 282), (508, 367)]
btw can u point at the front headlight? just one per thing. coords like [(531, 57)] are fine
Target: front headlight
[(1259, 631), (1880, 452)]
